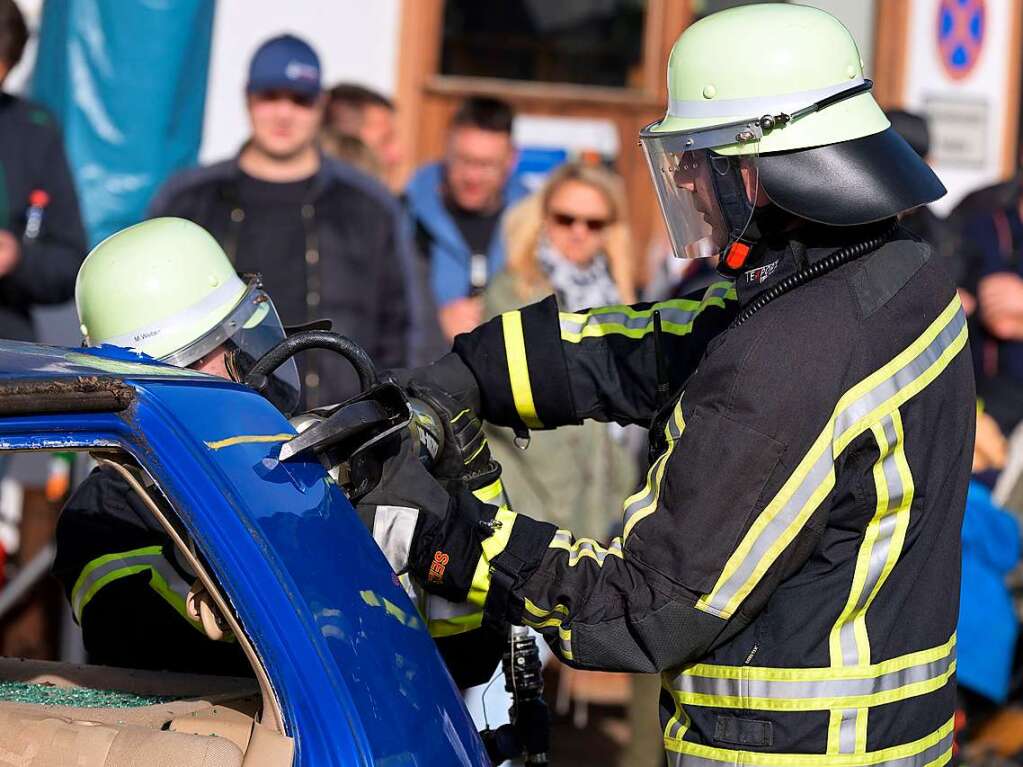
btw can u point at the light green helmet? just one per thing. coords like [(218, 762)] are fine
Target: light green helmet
[(155, 287), (778, 89), (166, 288), (765, 60)]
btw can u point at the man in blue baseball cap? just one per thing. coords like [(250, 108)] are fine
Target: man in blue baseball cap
[(328, 240), (285, 105)]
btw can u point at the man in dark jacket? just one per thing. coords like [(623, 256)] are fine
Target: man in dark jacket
[(792, 564), (329, 239), (41, 238)]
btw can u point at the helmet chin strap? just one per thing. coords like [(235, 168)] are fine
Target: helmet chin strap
[(738, 211), (747, 223)]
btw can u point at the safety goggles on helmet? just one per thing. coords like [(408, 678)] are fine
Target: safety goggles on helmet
[(706, 201), (248, 332)]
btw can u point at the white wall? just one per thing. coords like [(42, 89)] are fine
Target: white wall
[(357, 40), (17, 80), (858, 17)]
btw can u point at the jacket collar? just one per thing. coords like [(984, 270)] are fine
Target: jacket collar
[(778, 256)]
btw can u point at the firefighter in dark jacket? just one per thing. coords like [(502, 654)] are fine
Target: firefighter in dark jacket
[(163, 287), (791, 565), (41, 237), (166, 288)]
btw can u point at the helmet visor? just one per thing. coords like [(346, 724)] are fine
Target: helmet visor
[(696, 189), (249, 331)]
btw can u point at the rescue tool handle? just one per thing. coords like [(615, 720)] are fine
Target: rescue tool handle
[(314, 339)]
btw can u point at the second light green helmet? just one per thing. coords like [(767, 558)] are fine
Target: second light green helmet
[(779, 90), (166, 288), (156, 287)]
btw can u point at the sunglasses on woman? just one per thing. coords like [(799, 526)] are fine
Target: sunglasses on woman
[(567, 220)]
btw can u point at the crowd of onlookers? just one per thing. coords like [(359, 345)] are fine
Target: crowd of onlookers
[(310, 202)]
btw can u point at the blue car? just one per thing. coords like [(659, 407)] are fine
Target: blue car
[(344, 670)]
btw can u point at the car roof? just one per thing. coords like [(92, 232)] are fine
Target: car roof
[(21, 360)]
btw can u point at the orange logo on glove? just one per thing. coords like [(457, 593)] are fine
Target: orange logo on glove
[(440, 561)]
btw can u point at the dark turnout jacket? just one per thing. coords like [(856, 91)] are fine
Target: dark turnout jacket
[(32, 158), (127, 587), (792, 563)]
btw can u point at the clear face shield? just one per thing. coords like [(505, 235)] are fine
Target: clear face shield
[(707, 199), (248, 332)]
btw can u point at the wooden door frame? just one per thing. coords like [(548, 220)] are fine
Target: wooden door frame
[(419, 48), (891, 39)]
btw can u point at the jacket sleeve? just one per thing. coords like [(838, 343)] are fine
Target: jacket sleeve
[(48, 267), (540, 368), (691, 567)]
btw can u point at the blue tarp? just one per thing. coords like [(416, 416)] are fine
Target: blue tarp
[(127, 81)]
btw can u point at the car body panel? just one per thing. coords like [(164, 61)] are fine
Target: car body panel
[(356, 674)]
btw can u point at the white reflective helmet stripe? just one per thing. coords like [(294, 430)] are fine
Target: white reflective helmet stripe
[(756, 107), (205, 306)]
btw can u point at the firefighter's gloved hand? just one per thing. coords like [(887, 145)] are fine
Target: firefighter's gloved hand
[(465, 462), (445, 545), (447, 549), (449, 375), (391, 474)]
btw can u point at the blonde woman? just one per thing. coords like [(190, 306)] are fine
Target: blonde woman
[(571, 239)]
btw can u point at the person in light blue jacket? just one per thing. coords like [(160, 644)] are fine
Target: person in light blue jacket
[(456, 206), (988, 625)]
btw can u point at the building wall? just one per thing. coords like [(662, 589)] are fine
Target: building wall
[(18, 78), (858, 16), (355, 41)]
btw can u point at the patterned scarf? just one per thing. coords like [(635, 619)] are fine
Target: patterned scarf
[(576, 286)]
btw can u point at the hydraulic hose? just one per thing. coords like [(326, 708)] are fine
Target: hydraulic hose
[(314, 339), (825, 265)]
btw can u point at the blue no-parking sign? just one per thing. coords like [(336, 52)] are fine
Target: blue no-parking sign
[(960, 35)]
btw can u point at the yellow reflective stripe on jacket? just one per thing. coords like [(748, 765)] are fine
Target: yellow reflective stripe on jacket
[(447, 627), (929, 751), (163, 579), (518, 369), (583, 548), (746, 691), (864, 405), (677, 316), (549, 619), (644, 503), (492, 493), (825, 673), (444, 618), (565, 643), (538, 612), (491, 546), (878, 553)]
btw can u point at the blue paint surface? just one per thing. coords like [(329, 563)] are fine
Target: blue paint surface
[(358, 677)]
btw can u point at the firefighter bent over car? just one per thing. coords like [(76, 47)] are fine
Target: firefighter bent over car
[(792, 564)]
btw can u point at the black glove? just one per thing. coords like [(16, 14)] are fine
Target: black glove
[(465, 462), (446, 544), (449, 375)]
